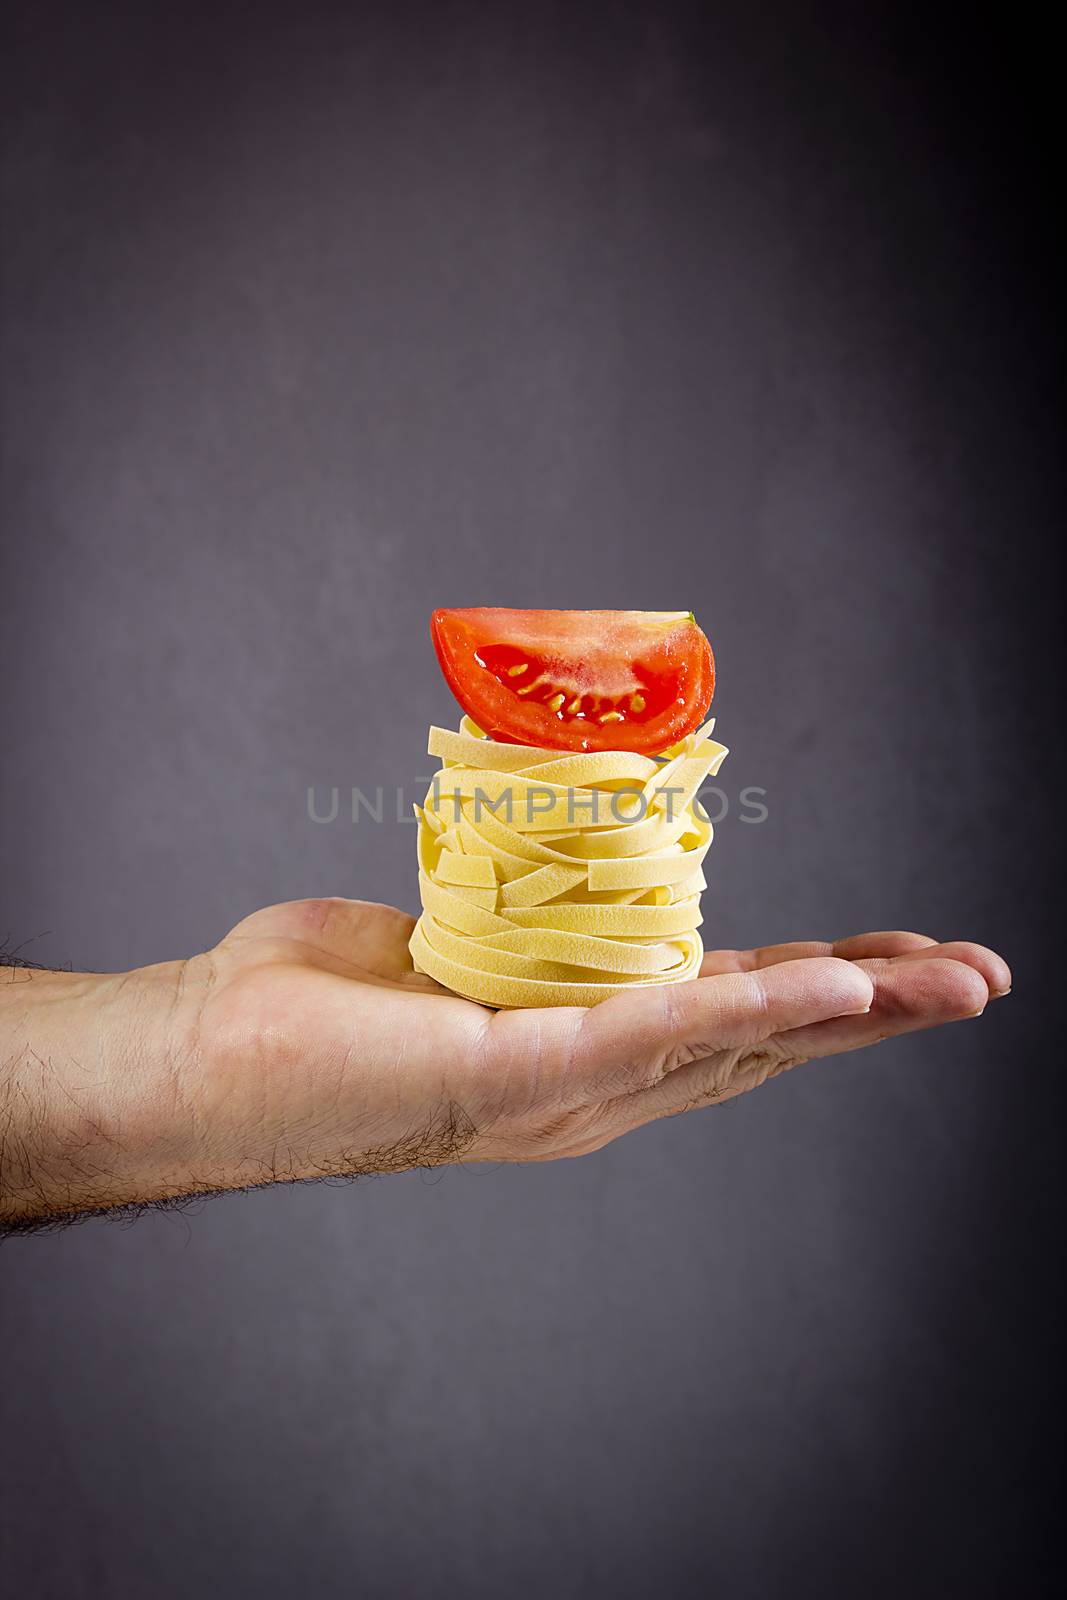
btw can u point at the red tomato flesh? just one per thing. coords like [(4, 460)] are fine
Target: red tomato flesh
[(577, 680)]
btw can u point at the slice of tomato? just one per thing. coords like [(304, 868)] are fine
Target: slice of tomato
[(577, 680)]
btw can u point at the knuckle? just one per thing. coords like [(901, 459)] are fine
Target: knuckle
[(759, 1066), (754, 996)]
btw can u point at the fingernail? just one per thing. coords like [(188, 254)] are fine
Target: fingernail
[(972, 1014), (998, 994)]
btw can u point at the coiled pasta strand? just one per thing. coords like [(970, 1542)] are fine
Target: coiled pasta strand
[(550, 878)]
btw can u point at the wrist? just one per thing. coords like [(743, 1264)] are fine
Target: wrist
[(87, 1087)]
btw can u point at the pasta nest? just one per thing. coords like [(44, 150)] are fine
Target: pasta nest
[(550, 878)]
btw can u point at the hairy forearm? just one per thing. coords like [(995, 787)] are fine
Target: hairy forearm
[(110, 1100), (123, 1090), (86, 1114)]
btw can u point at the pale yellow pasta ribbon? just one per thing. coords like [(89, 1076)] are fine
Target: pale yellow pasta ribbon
[(550, 878)]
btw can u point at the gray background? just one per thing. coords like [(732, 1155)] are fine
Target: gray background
[(315, 320)]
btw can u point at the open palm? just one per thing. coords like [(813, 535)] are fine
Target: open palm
[(319, 1050)]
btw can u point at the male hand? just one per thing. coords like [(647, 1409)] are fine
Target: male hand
[(304, 1045)]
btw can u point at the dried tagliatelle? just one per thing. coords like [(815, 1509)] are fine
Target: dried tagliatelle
[(559, 878)]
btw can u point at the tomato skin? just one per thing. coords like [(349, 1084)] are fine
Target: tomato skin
[(577, 680)]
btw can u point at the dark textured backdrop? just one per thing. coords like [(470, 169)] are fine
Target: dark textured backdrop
[(314, 322)]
